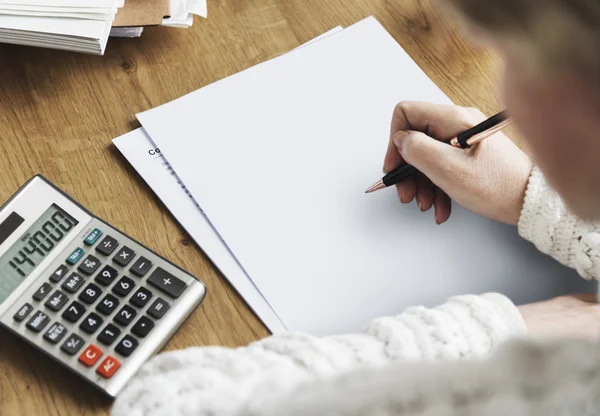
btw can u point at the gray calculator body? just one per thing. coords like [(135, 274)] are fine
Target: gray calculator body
[(84, 293)]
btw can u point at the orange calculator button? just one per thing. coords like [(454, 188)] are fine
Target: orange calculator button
[(109, 367), (90, 356)]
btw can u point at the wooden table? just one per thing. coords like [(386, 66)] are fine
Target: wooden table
[(59, 112)]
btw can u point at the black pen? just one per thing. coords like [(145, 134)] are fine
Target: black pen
[(464, 140)]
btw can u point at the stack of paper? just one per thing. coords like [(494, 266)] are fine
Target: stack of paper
[(183, 11), (59, 24), (271, 166), (86, 26)]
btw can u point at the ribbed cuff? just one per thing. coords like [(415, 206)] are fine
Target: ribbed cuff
[(530, 213), (545, 221), (509, 312)]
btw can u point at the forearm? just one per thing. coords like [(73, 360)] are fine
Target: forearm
[(546, 222), (223, 381)]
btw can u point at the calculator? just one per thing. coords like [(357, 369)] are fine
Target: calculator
[(83, 292)]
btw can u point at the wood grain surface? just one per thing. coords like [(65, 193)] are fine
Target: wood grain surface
[(59, 112)]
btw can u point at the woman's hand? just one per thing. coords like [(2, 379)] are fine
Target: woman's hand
[(489, 179), (571, 316)]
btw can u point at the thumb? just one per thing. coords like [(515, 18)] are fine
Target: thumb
[(432, 157)]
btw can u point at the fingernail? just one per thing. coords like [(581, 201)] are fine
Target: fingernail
[(398, 140), (420, 206)]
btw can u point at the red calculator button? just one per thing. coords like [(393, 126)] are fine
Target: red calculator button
[(109, 367), (90, 356)]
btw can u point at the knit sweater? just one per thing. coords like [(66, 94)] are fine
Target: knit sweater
[(410, 364)]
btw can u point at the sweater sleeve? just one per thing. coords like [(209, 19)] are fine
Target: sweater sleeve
[(221, 381), (546, 222), (523, 378)]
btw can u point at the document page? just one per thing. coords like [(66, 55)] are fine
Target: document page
[(279, 156), (152, 166)]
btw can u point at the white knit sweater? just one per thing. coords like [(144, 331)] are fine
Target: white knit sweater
[(368, 373)]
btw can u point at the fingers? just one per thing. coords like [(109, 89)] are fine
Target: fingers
[(438, 121), (436, 160), (441, 122), (425, 193), (417, 133), (407, 190), (393, 159), (443, 206), (419, 187)]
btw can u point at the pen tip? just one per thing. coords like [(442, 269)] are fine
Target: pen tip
[(376, 187)]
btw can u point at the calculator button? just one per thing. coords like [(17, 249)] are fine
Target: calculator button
[(107, 246), (106, 276), (143, 327), (109, 367), (75, 256), (90, 355), (141, 267), (74, 312), (90, 294), (56, 301), (38, 321), (108, 305), (158, 308), (166, 282), (72, 345), (92, 237), (109, 334), (91, 323), (89, 265), (141, 297), (124, 256), (125, 315), (55, 333), (73, 283), (42, 292), (123, 286), (127, 345), (23, 312), (59, 274)]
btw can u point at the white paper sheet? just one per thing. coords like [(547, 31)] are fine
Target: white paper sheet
[(279, 155), (152, 166), (66, 3), (139, 150), (58, 24), (26, 7), (62, 26), (73, 15)]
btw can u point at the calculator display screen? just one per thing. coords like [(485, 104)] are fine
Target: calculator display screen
[(35, 244)]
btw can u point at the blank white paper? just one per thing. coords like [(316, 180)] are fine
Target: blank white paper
[(93, 29), (278, 157), (141, 152), (139, 149), (66, 3)]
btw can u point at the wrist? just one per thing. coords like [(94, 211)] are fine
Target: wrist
[(523, 179)]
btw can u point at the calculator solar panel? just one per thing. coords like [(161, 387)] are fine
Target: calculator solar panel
[(84, 293)]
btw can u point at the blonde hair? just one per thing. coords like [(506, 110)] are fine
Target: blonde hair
[(556, 31)]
